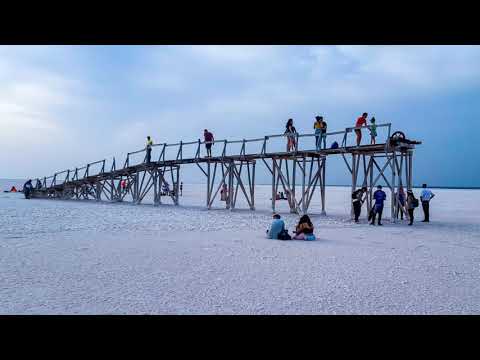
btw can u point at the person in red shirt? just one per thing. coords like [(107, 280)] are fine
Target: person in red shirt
[(361, 121), (208, 136)]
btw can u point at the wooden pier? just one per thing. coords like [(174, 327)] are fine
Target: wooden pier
[(234, 170)]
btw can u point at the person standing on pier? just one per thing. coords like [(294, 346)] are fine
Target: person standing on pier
[(208, 136), (149, 149), (379, 197), (426, 195), (373, 130), (361, 121), (357, 201), (318, 125), (291, 133)]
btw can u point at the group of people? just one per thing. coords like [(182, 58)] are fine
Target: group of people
[(303, 230), (320, 127), (406, 203)]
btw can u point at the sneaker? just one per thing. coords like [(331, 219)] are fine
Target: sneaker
[(380, 224), (409, 224), (372, 224)]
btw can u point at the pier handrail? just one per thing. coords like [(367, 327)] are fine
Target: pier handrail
[(345, 132)]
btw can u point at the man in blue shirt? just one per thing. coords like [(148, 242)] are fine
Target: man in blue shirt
[(426, 196), (379, 197), (277, 226)]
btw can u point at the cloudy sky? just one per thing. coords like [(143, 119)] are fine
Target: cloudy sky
[(63, 106)]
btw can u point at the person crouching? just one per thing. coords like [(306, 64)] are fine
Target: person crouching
[(304, 229)]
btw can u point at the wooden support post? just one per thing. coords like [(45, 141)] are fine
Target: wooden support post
[(274, 173), (322, 188)]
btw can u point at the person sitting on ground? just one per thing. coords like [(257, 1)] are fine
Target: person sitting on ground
[(357, 201), (425, 197), (361, 121), (282, 196), (379, 197), (373, 130), (412, 203), (13, 189), (278, 225), (304, 229)]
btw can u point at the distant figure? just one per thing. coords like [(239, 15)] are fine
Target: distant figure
[(149, 149), (123, 184), (412, 203), (373, 130), (304, 229), (38, 185), (27, 189), (361, 121), (181, 188), (13, 189), (426, 195), (224, 193), (357, 201), (320, 127), (278, 225), (401, 201), (166, 189), (291, 132), (379, 197), (208, 136)]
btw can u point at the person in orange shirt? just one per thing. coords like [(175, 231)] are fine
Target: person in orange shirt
[(361, 121)]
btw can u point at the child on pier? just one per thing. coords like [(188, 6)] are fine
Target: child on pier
[(373, 130)]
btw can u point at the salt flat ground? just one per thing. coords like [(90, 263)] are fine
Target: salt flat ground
[(77, 257)]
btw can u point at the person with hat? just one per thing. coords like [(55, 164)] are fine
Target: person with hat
[(357, 201), (379, 197)]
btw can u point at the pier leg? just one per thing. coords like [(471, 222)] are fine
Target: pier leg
[(274, 173), (322, 186)]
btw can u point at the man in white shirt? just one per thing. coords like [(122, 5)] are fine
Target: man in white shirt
[(426, 196)]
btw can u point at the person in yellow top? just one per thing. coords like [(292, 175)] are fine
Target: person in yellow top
[(320, 127), (149, 149)]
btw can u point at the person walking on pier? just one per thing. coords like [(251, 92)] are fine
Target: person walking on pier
[(412, 203), (357, 201), (291, 133), (361, 121), (208, 136), (426, 196), (373, 130), (149, 149), (379, 197)]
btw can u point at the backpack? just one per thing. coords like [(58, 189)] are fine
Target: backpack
[(283, 235), (334, 145), (415, 202)]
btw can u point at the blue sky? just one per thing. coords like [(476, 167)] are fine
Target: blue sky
[(62, 106)]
